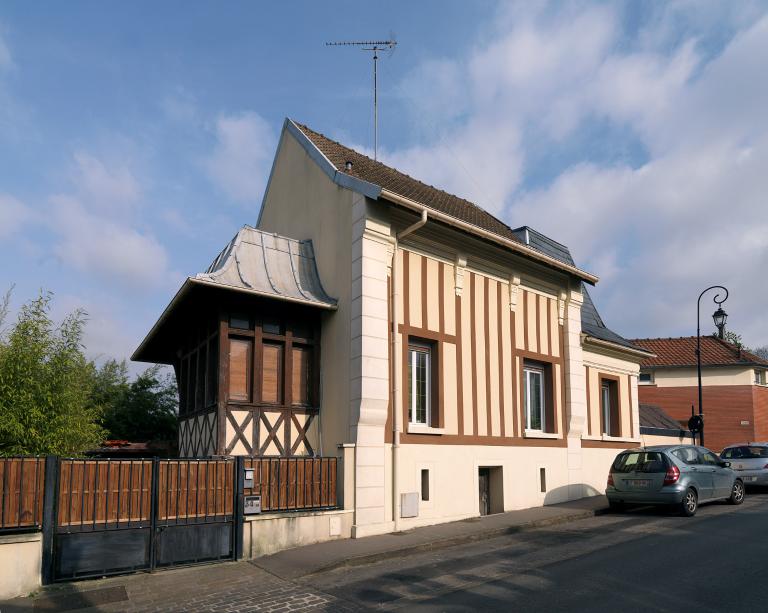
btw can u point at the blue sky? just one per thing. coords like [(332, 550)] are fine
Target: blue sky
[(136, 138)]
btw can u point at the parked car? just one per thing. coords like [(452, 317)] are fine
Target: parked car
[(749, 461), (679, 475)]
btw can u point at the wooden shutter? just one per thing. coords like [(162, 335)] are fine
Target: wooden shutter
[(272, 375), (301, 375), (239, 369)]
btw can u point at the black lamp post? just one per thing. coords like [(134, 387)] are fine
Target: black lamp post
[(719, 317)]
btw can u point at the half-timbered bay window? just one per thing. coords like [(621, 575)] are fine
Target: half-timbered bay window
[(420, 364), (273, 363), (197, 371)]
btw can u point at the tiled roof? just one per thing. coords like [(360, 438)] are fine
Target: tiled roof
[(652, 416), (393, 180), (671, 352)]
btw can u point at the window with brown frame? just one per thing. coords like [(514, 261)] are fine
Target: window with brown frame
[(610, 419), (538, 397), (240, 356), (285, 369)]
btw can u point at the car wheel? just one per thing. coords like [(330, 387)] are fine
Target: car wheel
[(615, 506), (737, 493), (690, 503)]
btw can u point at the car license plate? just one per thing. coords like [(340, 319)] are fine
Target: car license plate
[(639, 483), (749, 479)]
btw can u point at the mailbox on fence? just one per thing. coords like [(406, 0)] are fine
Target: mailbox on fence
[(252, 505), (248, 478)]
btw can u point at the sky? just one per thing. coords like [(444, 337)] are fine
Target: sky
[(136, 138)]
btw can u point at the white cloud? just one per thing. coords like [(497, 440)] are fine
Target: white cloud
[(13, 215), (110, 250), (107, 188), (689, 212), (242, 156)]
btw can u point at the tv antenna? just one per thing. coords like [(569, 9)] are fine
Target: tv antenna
[(375, 46)]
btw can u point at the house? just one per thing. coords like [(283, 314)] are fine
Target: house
[(455, 365), (735, 395)]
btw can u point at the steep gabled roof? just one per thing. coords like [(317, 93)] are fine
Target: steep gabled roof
[(681, 352), (389, 178)]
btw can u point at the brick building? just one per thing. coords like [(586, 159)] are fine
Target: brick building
[(735, 394)]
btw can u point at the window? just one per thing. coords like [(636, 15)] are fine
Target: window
[(533, 398), (271, 373), (240, 369), (425, 484), (759, 377), (609, 407), (709, 458), (645, 378), (688, 455), (419, 383), (301, 375)]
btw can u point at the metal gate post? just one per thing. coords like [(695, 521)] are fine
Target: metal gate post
[(239, 502), (50, 516), (153, 513)]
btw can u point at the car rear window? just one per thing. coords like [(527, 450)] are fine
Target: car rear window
[(745, 453), (640, 461)]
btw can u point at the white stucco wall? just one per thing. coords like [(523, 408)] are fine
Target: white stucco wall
[(20, 564)]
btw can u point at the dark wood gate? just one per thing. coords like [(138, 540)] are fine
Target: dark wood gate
[(118, 516)]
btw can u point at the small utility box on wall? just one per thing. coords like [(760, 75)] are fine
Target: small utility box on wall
[(248, 478), (252, 505), (409, 504)]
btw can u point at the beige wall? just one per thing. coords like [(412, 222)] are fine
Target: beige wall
[(272, 532), (303, 203), (483, 330), (597, 365), (20, 562), (655, 439), (682, 377)]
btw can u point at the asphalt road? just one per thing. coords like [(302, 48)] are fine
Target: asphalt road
[(644, 560)]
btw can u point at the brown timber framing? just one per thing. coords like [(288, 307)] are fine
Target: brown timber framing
[(223, 395), (507, 433)]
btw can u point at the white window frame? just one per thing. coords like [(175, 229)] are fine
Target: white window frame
[(527, 372), (605, 402), (415, 348), (759, 377)]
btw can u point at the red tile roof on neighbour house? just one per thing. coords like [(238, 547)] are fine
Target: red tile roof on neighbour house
[(676, 352), (393, 180)]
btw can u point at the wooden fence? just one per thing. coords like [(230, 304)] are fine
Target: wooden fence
[(22, 480), (294, 484), (94, 494), (105, 494)]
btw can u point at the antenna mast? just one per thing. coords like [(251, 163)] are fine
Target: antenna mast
[(375, 46)]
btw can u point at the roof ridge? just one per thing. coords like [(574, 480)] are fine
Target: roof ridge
[(464, 200)]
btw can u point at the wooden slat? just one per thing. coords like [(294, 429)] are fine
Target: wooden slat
[(21, 492)]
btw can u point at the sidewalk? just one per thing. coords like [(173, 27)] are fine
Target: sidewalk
[(311, 559), (272, 583)]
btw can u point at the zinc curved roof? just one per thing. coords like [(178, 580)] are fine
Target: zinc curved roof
[(268, 264)]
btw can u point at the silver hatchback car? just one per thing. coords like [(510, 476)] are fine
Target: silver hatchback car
[(749, 461), (676, 475)]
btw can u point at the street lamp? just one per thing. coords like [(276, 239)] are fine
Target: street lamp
[(719, 317)]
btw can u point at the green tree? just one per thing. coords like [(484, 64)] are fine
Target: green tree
[(142, 410), (45, 383)]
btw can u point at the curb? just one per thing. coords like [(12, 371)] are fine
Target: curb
[(453, 541)]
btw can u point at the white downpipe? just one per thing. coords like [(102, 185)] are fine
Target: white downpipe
[(397, 368)]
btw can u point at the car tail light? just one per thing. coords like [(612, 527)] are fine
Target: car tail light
[(673, 474), (610, 479)]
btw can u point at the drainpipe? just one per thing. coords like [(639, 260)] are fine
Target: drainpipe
[(396, 368)]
